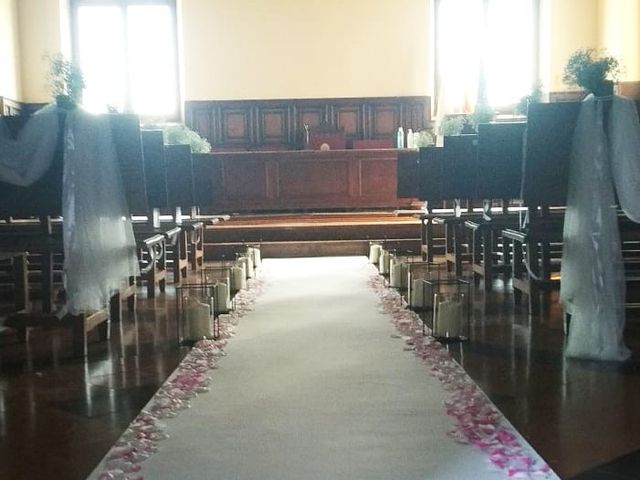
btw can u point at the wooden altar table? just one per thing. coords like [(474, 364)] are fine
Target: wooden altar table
[(298, 179)]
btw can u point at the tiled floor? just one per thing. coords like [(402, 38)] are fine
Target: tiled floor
[(59, 415)]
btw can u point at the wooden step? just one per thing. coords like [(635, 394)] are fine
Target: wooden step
[(308, 248)]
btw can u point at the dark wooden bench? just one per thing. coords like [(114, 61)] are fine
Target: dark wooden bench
[(490, 253), (175, 246), (32, 242), (536, 258), (153, 265)]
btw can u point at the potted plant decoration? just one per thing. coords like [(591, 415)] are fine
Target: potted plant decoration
[(534, 97), (179, 134), (452, 125), (66, 81), (593, 71)]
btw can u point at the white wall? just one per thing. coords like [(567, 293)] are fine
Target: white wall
[(243, 49), (568, 25), (39, 23), (620, 34), (9, 51)]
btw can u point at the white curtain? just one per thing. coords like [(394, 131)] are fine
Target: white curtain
[(604, 161), (99, 246)]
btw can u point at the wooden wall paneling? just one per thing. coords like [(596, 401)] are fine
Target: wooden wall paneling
[(313, 178), (255, 181), (351, 118), (272, 180), (279, 124), (274, 125), (244, 178), (312, 114), (385, 119), (629, 89), (414, 116), (237, 125), (378, 177), (203, 121)]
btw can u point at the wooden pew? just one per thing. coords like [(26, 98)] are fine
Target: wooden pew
[(43, 199), (537, 247), (499, 175), (476, 168), (172, 169), (545, 167), (431, 178)]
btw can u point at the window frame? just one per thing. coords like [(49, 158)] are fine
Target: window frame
[(536, 72), (176, 114)]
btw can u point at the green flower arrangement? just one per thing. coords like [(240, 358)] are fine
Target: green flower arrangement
[(65, 81), (179, 134), (425, 139), (534, 97), (483, 113), (590, 69), (452, 125)]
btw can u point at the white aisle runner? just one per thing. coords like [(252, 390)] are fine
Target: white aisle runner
[(314, 387)]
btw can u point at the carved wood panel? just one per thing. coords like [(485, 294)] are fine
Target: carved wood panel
[(245, 179), (236, 126), (385, 119), (254, 181), (378, 177), (279, 124), (315, 178), (273, 125)]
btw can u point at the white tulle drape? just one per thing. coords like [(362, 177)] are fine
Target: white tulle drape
[(605, 161), (100, 252), (25, 159), (99, 246)]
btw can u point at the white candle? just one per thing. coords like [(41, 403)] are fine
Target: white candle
[(223, 298), (374, 253), (199, 321), (155, 218), (448, 322), (395, 277), (384, 262), (238, 277), (248, 265), (417, 294), (257, 258), (404, 278)]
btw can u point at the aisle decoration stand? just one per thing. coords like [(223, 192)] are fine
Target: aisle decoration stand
[(99, 246), (605, 162)]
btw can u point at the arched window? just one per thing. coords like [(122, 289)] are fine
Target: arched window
[(127, 50)]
